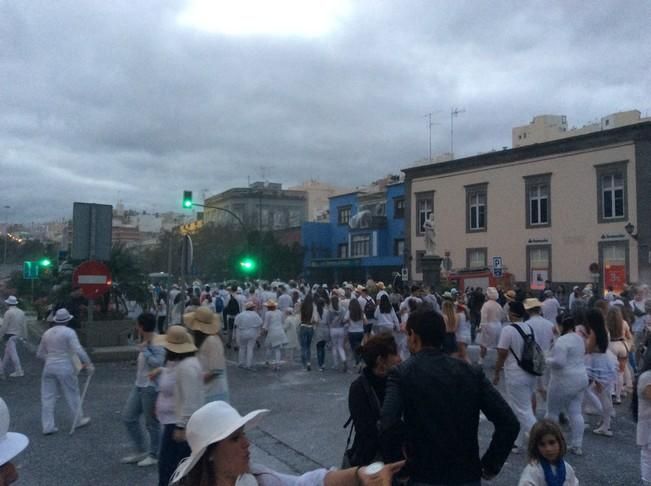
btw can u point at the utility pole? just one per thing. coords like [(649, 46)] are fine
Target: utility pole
[(453, 112), (429, 129)]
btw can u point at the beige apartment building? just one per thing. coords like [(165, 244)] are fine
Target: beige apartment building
[(573, 210)]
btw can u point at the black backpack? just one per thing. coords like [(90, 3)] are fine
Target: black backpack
[(351, 457), (233, 307), (369, 308), (533, 359)]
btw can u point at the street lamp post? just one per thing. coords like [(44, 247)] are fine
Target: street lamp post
[(6, 235)]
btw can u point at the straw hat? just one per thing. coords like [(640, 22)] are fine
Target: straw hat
[(212, 423), (531, 303), (380, 285), (11, 443), (250, 305), (204, 320), (270, 303), (177, 339), (510, 295)]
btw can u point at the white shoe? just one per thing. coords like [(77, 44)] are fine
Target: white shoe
[(516, 450), (50, 432), (577, 451), (604, 432), (83, 422), (134, 458), (148, 461), (16, 374)]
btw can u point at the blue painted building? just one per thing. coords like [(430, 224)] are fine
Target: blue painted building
[(364, 237)]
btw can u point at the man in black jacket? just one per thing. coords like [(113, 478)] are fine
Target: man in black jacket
[(439, 398)]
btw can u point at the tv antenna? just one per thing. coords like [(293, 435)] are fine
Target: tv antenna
[(453, 112)]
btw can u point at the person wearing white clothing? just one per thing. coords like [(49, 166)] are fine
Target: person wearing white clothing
[(247, 329), (13, 329), (520, 385), (550, 306), (336, 316), (568, 381), (544, 331), (642, 405), (386, 319), (61, 351), (275, 337), (491, 322)]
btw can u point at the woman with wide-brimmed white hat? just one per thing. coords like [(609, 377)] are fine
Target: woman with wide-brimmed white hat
[(220, 457), (64, 357), (188, 397), (11, 444), (206, 326)]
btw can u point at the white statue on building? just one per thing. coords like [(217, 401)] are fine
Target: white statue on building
[(430, 234)]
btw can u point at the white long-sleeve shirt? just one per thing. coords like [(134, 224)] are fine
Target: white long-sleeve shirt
[(387, 320), (14, 323), (58, 344), (189, 393)]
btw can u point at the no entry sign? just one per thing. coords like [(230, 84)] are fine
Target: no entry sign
[(93, 279)]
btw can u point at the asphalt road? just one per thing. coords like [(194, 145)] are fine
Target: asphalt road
[(303, 431)]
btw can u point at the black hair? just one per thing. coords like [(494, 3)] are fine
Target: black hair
[(385, 305), (428, 325), (199, 337), (594, 321), (320, 306), (517, 309), (334, 302), (378, 346), (566, 322), (355, 310), (172, 356), (307, 309), (147, 321)]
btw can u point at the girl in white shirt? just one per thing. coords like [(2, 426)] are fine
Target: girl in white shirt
[(546, 464)]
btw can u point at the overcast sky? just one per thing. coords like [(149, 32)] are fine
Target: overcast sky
[(139, 100)]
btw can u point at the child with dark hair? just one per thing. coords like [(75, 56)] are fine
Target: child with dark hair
[(546, 450)]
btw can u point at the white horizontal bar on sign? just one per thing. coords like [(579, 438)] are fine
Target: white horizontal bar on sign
[(92, 279)]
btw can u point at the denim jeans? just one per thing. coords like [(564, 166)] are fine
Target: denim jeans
[(320, 353), (305, 335), (142, 401), (171, 453), (355, 340)]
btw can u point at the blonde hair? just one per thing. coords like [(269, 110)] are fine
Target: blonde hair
[(449, 315)]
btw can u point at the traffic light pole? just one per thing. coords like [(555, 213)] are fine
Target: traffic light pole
[(239, 220)]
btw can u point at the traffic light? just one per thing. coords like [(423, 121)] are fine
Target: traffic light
[(248, 265), (45, 262), (187, 199)]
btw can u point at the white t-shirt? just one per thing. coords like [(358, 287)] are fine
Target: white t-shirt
[(543, 332), (533, 475), (643, 410), (510, 339)]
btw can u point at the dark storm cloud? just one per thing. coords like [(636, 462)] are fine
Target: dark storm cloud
[(115, 100)]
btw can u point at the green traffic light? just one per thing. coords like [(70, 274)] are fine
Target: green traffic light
[(45, 262), (247, 265), (187, 199)]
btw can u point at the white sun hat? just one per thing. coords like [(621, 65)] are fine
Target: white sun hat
[(11, 443), (12, 300), (211, 423), (62, 316)]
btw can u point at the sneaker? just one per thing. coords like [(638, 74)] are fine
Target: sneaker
[(50, 432), (604, 432), (134, 458), (16, 374), (322, 369), (83, 422), (617, 401), (148, 461), (309, 368), (577, 451), (516, 450)]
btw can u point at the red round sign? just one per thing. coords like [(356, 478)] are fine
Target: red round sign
[(93, 279)]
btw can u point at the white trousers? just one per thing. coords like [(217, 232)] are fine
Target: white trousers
[(53, 380), (645, 464), (520, 387), (564, 399), (337, 337), (11, 355), (245, 353)]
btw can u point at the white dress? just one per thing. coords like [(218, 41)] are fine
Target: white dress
[(273, 324)]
